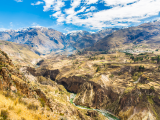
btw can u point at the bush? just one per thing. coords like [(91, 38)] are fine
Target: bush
[(98, 69), (132, 57), (128, 53), (152, 88), (141, 68), (42, 102), (111, 76), (4, 114), (32, 106), (102, 58)]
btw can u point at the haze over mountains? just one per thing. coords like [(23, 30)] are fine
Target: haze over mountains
[(45, 40)]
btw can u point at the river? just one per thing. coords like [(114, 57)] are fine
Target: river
[(103, 112)]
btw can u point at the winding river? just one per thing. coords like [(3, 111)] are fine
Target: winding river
[(105, 113)]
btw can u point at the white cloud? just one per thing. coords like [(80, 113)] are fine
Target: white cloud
[(35, 24), (117, 2), (37, 3), (53, 5), (91, 1), (18, 0), (91, 9), (121, 13), (117, 15), (3, 29)]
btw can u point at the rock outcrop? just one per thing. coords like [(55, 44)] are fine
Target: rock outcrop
[(93, 95), (139, 104), (72, 84), (44, 72)]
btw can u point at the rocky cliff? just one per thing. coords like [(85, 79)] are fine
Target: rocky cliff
[(89, 94)]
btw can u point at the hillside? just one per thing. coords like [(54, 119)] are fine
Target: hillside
[(83, 39), (20, 53), (146, 35)]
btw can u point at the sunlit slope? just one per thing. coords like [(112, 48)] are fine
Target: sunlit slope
[(19, 53)]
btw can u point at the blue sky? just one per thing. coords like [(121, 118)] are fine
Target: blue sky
[(71, 15)]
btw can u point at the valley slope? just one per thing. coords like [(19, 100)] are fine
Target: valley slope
[(146, 35)]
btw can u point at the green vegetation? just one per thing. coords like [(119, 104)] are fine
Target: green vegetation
[(128, 53), (93, 58), (4, 115), (42, 102), (111, 76), (136, 75), (102, 58), (141, 68), (98, 69), (152, 88)]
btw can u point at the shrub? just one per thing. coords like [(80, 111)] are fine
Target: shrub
[(128, 53), (132, 57), (111, 76), (11, 108), (102, 58), (32, 106), (98, 69), (152, 88), (141, 68), (4, 114), (42, 102)]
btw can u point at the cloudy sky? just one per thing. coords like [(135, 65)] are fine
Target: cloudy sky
[(70, 15)]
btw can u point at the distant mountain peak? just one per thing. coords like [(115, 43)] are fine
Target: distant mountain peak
[(75, 32)]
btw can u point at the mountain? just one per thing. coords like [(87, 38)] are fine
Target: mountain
[(147, 34), (83, 39), (43, 39), (46, 40)]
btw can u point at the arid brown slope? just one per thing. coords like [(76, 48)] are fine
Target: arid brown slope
[(145, 34), (20, 53)]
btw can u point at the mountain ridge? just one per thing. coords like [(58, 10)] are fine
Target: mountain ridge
[(46, 40)]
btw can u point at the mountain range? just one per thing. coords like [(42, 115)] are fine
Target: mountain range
[(46, 40), (146, 35)]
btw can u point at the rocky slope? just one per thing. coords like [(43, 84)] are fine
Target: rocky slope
[(20, 53), (83, 39), (22, 98), (89, 94), (146, 35)]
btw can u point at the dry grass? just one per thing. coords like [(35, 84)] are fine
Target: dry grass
[(19, 111)]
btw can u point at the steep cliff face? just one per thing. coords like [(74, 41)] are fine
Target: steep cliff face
[(89, 94), (72, 84), (44, 72), (93, 95), (139, 104)]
